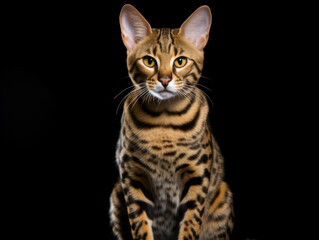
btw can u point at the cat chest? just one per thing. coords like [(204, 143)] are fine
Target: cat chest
[(154, 167), (167, 161), (166, 191), (163, 166), (166, 201)]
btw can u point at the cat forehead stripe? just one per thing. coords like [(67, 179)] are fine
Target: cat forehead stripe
[(165, 39)]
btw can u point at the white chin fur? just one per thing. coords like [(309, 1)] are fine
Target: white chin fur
[(163, 95), (158, 91)]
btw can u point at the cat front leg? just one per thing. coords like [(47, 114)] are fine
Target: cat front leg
[(191, 208), (140, 207), (118, 214), (218, 215)]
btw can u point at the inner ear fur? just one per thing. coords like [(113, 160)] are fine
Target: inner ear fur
[(134, 26), (196, 28)]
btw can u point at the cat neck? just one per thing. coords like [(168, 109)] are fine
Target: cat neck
[(173, 118)]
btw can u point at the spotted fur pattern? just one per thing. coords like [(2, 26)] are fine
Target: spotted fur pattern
[(171, 183)]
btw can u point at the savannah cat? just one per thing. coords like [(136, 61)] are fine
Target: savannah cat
[(171, 170)]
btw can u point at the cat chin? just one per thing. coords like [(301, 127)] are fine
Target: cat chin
[(163, 95)]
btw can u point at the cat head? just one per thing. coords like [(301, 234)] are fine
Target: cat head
[(168, 62)]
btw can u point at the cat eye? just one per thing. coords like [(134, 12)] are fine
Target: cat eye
[(149, 61), (180, 62)]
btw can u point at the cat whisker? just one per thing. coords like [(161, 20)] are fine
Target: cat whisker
[(147, 97), (135, 99), (159, 102), (185, 94), (190, 88), (144, 98), (138, 86), (150, 97), (140, 95), (207, 96), (181, 94), (198, 84), (124, 77), (208, 78), (123, 99), (123, 91)]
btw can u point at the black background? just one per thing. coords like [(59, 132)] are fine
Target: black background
[(61, 67)]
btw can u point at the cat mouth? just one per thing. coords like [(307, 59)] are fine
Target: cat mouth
[(166, 91)]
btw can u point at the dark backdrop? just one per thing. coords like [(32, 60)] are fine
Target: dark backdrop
[(61, 67)]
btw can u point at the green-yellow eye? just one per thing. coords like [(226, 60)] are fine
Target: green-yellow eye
[(149, 61), (180, 62)]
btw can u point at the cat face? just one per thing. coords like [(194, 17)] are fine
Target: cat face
[(168, 62)]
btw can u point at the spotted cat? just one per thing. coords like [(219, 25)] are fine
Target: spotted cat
[(171, 183)]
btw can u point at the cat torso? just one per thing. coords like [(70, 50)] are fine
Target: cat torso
[(170, 148)]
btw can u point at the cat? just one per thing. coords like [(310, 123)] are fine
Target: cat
[(171, 169)]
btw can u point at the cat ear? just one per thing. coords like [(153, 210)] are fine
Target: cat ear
[(134, 26), (196, 28)]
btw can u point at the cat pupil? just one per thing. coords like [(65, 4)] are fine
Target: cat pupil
[(180, 61), (150, 60)]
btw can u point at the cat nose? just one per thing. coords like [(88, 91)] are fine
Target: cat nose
[(164, 80)]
